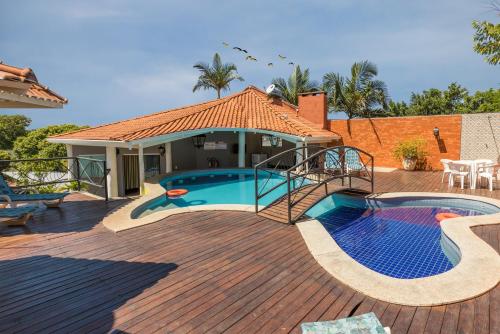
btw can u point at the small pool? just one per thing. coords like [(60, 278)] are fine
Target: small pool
[(399, 238), (227, 186)]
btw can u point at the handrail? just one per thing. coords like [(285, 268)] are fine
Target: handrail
[(36, 172), (316, 170), (291, 154)]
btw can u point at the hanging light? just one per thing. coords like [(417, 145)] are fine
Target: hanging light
[(199, 140), (162, 150), (274, 141)]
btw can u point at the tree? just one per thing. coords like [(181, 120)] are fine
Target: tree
[(487, 41), (298, 82), (11, 127), (35, 145), (358, 95), (482, 102), (437, 102), (217, 76), (4, 155), (397, 109)]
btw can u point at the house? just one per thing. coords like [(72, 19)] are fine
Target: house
[(19, 88), (235, 131)]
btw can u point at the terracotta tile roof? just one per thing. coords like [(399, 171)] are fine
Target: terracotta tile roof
[(32, 89), (250, 108)]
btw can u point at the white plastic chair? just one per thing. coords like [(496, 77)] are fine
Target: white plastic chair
[(446, 168), (489, 172), (460, 170)]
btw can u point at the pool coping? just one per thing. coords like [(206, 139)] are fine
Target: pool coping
[(477, 272), (121, 219)]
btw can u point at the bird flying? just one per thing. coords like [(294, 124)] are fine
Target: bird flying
[(291, 63), (225, 44), (282, 57), (240, 49), (270, 64), (251, 58)]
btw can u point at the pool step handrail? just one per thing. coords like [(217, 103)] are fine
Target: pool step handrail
[(318, 170)]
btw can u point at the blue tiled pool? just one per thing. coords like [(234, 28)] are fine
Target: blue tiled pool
[(395, 239), (225, 186)]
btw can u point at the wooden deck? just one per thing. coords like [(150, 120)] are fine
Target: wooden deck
[(200, 272)]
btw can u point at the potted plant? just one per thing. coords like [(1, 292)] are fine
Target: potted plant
[(411, 152)]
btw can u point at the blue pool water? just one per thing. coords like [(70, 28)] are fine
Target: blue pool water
[(394, 239), (214, 187)]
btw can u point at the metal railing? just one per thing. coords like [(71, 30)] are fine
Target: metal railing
[(67, 172), (316, 170), (276, 167)]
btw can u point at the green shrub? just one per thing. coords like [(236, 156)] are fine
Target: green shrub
[(4, 155), (411, 149)]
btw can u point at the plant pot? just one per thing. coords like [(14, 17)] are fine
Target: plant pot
[(409, 163)]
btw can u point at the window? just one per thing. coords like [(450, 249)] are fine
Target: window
[(151, 165)]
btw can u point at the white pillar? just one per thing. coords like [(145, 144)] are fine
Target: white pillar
[(112, 178), (299, 153), (168, 157), (241, 149), (141, 169), (71, 170)]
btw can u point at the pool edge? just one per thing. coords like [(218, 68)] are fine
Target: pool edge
[(121, 219), (477, 272)]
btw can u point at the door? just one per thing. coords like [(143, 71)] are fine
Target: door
[(131, 173)]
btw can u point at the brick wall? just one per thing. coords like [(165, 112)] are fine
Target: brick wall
[(378, 136)]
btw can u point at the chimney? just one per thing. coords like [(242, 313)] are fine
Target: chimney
[(314, 107)]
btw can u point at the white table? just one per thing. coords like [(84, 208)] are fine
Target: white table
[(473, 166)]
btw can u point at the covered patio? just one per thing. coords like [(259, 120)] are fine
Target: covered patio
[(237, 131)]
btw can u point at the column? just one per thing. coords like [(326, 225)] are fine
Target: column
[(241, 149), (168, 157), (299, 153), (112, 177), (141, 169), (71, 171)]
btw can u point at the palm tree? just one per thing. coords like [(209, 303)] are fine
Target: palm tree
[(217, 76), (297, 83), (357, 96)]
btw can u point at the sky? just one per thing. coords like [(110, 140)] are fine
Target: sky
[(116, 59)]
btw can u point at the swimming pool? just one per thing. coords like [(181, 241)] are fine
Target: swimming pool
[(399, 238), (227, 186)]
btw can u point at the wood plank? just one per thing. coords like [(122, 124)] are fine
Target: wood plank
[(236, 272)]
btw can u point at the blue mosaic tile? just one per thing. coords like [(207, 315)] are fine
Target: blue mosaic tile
[(401, 242)]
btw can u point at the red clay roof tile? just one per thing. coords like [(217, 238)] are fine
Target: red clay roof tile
[(26, 75), (250, 108)]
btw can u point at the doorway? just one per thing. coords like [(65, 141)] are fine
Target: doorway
[(131, 174), (131, 171)]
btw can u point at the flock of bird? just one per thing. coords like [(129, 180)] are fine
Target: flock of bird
[(252, 58)]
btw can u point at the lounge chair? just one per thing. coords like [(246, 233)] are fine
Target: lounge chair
[(16, 216), (9, 196)]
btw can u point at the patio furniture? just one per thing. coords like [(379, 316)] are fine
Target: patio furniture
[(16, 216), (488, 172), (446, 168), (8, 195), (461, 169), (366, 323)]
